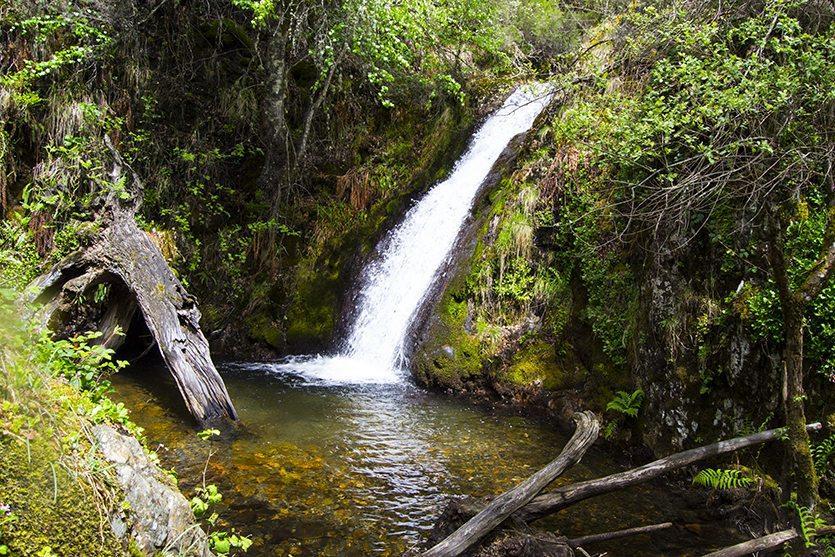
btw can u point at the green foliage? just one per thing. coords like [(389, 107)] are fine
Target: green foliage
[(18, 257), (207, 434), (690, 103), (628, 404), (809, 521), (405, 46), (722, 478), (207, 496), (821, 455), (77, 39), (228, 544), (85, 365)]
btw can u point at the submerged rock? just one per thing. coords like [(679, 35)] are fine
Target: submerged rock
[(160, 520)]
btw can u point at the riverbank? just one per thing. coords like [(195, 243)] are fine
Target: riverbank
[(74, 478)]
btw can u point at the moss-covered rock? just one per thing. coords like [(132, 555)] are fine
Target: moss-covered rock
[(49, 505), (536, 364), (452, 355)]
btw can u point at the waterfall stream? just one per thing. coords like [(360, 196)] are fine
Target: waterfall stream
[(398, 281)]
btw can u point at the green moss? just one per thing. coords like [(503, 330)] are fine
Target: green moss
[(263, 329), (536, 364), (452, 355), (311, 317), (52, 507)]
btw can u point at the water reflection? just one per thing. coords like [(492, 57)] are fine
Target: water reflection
[(362, 470)]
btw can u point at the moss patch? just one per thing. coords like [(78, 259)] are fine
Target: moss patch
[(51, 507), (263, 329), (536, 365), (452, 355)]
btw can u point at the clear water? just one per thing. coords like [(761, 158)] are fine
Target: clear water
[(361, 470), (395, 285), (343, 456)]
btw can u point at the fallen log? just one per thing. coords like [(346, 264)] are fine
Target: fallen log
[(759, 544), (564, 496), (606, 536), (124, 258), (500, 508)]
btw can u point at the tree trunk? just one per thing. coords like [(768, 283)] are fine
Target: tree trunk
[(274, 126), (125, 257), (805, 477), (510, 501), (792, 306)]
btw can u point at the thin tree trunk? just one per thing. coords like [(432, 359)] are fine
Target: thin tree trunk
[(805, 477), (314, 106), (567, 495), (274, 124)]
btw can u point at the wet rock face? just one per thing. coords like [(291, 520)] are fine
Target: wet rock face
[(700, 385), (159, 520)]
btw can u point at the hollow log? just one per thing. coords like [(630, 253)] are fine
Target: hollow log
[(567, 495), (606, 536), (759, 544), (123, 256), (500, 508)]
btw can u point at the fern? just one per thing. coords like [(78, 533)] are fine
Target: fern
[(821, 453), (721, 478), (627, 404), (809, 523)]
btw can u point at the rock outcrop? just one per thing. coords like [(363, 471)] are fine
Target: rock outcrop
[(159, 519)]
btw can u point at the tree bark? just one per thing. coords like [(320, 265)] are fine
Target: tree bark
[(792, 307), (274, 127), (760, 544), (565, 496), (123, 255), (507, 503)]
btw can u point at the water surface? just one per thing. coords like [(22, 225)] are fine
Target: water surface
[(364, 469)]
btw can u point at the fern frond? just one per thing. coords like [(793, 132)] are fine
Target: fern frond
[(809, 523), (821, 453), (721, 478), (626, 403)]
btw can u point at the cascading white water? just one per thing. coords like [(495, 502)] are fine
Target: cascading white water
[(396, 284)]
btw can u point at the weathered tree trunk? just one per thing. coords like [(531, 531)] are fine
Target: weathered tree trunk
[(760, 544), (567, 495), (805, 477), (124, 256), (507, 503)]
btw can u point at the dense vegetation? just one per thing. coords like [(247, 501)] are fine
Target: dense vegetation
[(660, 251)]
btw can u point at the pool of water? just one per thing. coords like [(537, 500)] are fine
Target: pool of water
[(364, 470)]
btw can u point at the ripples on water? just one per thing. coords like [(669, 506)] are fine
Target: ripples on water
[(359, 470)]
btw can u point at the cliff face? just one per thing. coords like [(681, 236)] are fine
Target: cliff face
[(586, 279)]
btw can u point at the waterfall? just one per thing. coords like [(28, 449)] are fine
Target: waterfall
[(396, 284)]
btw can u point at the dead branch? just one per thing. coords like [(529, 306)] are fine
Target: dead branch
[(562, 497), (507, 503), (758, 544), (606, 536)]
